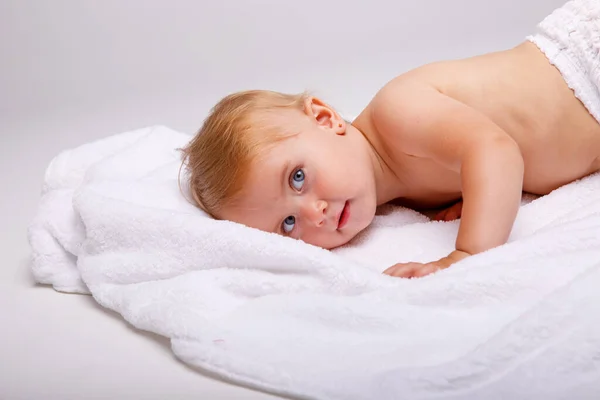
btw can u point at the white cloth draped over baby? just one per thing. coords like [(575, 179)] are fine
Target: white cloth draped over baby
[(520, 321)]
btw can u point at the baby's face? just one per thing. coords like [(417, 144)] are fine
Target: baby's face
[(317, 186)]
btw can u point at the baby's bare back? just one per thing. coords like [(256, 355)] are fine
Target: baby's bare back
[(527, 97), (484, 129)]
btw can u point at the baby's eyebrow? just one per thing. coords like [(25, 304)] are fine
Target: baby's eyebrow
[(277, 228), (284, 184), (284, 176)]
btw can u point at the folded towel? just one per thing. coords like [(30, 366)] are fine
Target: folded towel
[(570, 39), (520, 321)]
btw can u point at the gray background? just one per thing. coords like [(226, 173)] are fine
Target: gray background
[(75, 70)]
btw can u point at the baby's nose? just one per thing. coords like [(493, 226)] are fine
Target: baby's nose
[(315, 212)]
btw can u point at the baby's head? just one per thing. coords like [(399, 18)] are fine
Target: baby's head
[(287, 164)]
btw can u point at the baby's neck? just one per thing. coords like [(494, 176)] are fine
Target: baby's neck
[(388, 185)]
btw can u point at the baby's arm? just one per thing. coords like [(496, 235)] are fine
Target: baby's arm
[(418, 120)]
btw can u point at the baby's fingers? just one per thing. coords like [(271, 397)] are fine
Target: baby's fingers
[(453, 212), (404, 270), (441, 216), (450, 214)]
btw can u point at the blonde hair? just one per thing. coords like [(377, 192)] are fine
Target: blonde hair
[(231, 137)]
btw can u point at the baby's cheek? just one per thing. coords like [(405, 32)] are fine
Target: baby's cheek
[(314, 238)]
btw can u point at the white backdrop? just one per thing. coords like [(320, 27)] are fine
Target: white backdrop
[(164, 61), (75, 70)]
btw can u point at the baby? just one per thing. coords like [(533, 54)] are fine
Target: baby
[(465, 135)]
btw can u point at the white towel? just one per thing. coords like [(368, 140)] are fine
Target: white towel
[(520, 321), (570, 39)]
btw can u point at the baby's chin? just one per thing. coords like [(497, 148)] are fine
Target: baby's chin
[(348, 238), (342, 241), (328, 244)]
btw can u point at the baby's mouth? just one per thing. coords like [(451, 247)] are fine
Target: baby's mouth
[(344, 215)]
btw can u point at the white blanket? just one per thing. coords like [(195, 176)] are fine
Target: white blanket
[(521, 321)]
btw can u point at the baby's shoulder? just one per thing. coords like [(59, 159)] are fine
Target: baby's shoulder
[(416, 115), (404, 104)]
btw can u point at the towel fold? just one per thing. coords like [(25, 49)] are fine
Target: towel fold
[(570, 39), (520, 321)]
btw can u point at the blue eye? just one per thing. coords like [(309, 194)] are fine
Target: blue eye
[(297, 180), (288, 224)]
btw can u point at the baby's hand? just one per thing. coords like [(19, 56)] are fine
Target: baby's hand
[(417, 270), (451, 213)]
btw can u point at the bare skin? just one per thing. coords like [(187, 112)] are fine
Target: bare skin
[(482, 129), (471, 135)]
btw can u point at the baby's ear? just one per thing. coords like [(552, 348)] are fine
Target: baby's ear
[(325, 116)]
